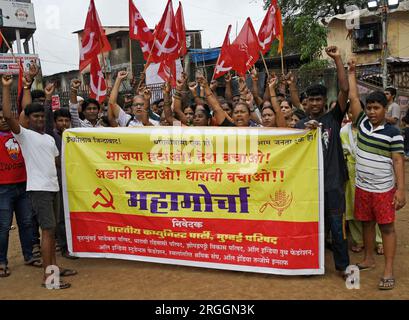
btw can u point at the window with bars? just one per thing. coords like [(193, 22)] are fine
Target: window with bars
[(367, 38)]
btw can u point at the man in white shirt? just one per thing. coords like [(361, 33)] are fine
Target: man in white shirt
[(140, 107), (40, 154), (90, 109)]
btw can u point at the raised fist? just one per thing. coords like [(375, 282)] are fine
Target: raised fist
[(75, 84), (333, 52), (122, 75)]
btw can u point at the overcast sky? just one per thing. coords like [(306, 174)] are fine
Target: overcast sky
[(56, 20)]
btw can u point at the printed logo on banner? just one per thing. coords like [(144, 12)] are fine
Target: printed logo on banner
[(108, 203), (281, 201)]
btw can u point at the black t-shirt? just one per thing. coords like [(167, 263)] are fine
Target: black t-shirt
[(335, 170), (405, 133), (227, 123)]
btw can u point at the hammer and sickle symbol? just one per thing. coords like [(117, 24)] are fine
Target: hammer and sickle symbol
[(108, 203)]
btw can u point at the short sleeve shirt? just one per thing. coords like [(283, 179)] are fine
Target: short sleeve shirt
[(394, 112), (39, 151), (335, 171), (374, 164)]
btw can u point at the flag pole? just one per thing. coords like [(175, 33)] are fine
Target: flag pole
[(264, 63), (130, 56), (282, 62), (11, 50), (103, 63)]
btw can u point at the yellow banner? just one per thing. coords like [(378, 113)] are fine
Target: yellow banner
[(229, 173)]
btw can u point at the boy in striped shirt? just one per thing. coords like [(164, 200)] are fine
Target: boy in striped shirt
[(380, 178)]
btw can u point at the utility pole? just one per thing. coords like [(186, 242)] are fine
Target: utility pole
[(384, 13), (384, 6)]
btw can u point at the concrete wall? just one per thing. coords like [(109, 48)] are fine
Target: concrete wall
[(398, 38)]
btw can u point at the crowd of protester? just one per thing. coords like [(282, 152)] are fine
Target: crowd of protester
[(363, 153)]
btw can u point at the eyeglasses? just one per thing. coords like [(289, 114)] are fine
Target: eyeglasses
[(138, 104)]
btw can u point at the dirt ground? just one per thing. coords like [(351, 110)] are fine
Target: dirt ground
[(119, 279)]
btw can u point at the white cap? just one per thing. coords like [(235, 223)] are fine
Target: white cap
[(79, 99)]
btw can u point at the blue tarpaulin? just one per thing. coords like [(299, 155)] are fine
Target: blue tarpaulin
[(200, 55)]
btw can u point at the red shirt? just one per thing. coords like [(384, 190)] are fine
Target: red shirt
[(12, 168)]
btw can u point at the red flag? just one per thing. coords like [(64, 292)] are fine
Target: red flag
[(223, 64), (166, 46), (97, 82), (146, 48), (180, 27), (167, 71), (245, 50), (279, 24), (138, 30), (271, 28), (94, 40), (20, 87)]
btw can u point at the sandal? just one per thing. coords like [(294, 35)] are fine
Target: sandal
[(357, 248), (61, 285), (34, 262), (68, 272), (379, 249), (386, 284), (4, 272), (36, 252)]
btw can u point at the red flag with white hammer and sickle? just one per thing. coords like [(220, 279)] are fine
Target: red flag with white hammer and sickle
[(94, 40), (138, 30), (167, 71), (246, 49), (97, 82), (166, 45), (223, 64), (271, 28)]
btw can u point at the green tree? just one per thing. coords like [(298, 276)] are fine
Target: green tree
[(315, 8), (303, 32)]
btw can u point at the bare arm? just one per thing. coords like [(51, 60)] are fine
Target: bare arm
[(196, 98), (228, 93), (254, 79), (147, 104), (7, 114), (73, 105), (335, 54), (294, 96), (113, 107), (219, 113), (167, 102), (399, 199), (281, 123), (26, 93), (26, 100), (355, 104), (267, 96), (49, 116), (177, 104), (28, 80)]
